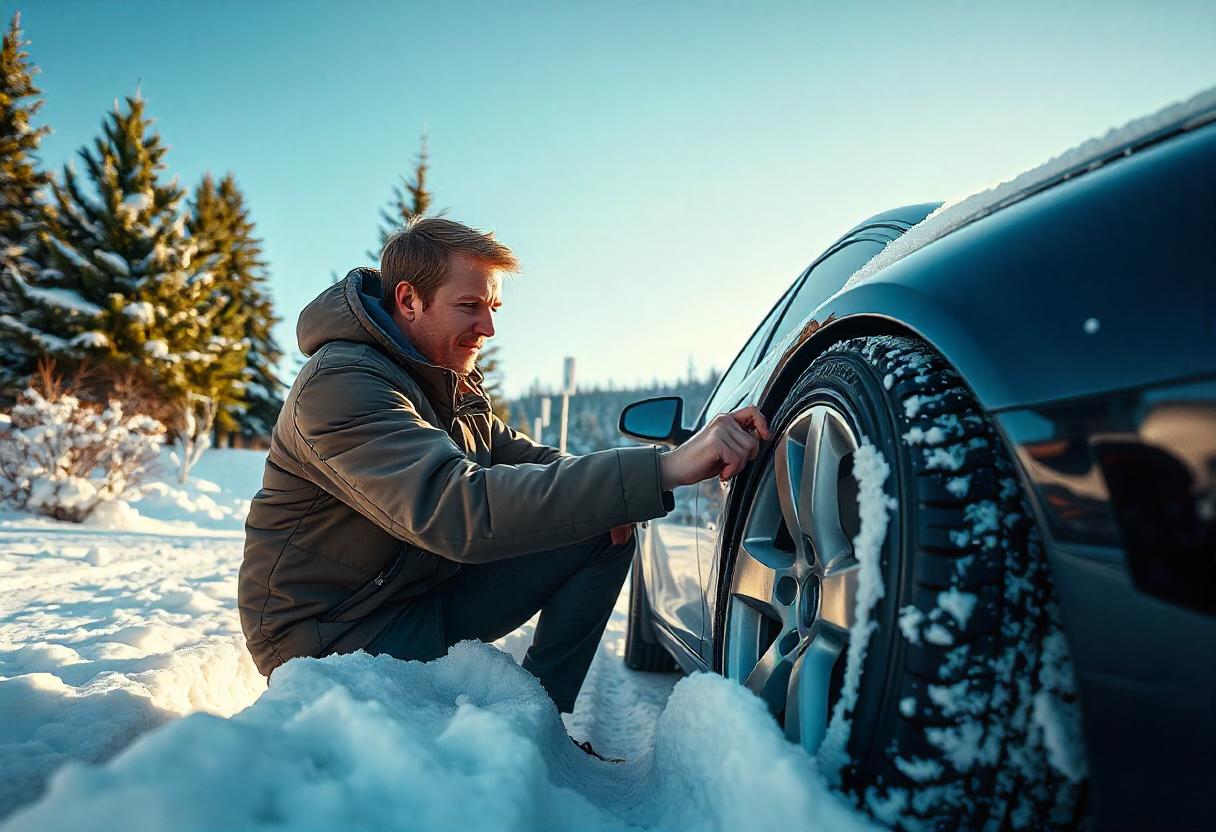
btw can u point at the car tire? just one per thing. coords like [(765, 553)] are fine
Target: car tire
[(947, 702), (642, 649)]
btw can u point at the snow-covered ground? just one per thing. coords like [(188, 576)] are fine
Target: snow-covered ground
[(126, 694)]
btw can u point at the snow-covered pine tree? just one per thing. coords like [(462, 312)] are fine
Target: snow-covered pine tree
[(21, 208), (122, 288), (220, 225), (410, 199)]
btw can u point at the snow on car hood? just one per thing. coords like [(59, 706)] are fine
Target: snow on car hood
[(1120, 141)]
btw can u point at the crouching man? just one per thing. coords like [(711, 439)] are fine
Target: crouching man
[(399, 515)]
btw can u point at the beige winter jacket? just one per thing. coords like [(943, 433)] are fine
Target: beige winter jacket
[(382, 478)]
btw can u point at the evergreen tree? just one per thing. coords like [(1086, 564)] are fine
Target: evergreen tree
[(220, 225), (21, 210), (123, 288), (410, 199)]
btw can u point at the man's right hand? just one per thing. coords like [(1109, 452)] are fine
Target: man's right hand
[(720, 449)]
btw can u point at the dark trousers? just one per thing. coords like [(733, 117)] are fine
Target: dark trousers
[(574, 588)]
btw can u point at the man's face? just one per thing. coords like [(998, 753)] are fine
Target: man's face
[(454, 326)]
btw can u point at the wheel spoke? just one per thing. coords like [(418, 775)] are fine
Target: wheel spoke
[(805, 502), (789, 465), (743, 647), (759, 582), (806, 709), (838, 593), (770, 678), (831, 442)]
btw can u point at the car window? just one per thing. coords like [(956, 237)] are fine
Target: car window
[(742, 363), (824, 281)]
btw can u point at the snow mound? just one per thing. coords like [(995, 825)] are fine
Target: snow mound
[(1090, 154), (49, 721), (469, 741), (115, 626), (121, 657)]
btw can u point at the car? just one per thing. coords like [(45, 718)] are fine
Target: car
[(973, 572)]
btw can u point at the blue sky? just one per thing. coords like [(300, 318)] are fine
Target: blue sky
[(661, 170)]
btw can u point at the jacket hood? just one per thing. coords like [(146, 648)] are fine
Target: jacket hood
[(350, 310)]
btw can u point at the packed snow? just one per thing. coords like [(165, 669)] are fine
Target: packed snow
[(137, 202), (1188, 114), (91, 340), (139, 311), (1056, 712), (114, 260), (64, 299), (871, 470), (157, 348), (128, 695), (71, 255), (51, 342), (133, 205)]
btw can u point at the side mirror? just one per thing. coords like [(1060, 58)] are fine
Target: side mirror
[(655, 420)]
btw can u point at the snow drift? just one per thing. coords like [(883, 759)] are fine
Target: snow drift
[(469, 741), (121, 662)]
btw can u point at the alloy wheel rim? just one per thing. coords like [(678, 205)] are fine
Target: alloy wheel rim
[(794, 584)]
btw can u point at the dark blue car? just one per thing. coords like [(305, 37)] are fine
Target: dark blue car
[(974, 571)]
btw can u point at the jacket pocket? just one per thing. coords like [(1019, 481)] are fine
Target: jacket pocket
[(368, 590)]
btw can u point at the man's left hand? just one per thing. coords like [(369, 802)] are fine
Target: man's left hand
[(621, 534)]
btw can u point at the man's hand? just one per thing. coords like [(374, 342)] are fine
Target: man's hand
[(722, 448), (621, 534)]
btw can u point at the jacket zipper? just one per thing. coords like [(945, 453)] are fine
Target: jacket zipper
[(362, 594), (393, 569), (476, 405)]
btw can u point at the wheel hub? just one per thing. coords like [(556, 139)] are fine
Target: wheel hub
[(794, 581), (808, 603)]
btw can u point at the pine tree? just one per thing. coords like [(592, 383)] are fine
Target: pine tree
[(123, 288), (220, 225), (410, 199), (21, 210)]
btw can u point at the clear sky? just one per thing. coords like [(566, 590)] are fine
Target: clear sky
[(662, 170)]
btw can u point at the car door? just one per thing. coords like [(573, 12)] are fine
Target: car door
[(671, 571), (823, 279)]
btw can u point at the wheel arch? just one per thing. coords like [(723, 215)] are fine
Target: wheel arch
[(788, 362), (850, 315)]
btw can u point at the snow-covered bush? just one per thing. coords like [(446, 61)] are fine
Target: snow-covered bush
[(63, 457), (195, 420)]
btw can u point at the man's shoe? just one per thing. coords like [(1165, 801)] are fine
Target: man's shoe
[(585, 747)]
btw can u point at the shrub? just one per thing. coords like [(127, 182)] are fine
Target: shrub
[(62, 457)]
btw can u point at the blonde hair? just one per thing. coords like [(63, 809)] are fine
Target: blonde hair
[(419, 252)]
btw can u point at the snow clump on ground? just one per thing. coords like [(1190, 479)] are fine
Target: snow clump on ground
[(469, 741)]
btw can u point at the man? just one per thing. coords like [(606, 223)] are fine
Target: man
[(399, 515)]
